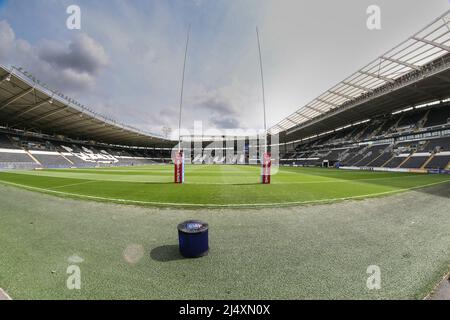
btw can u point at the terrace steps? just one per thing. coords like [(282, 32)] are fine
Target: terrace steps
[(428, 161), (404, 161), (376, 159), (388, 161), (32, 157), (66, 158)]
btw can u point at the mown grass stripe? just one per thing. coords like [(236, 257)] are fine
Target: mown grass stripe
[(205, 205)]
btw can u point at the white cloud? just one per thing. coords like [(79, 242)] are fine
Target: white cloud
[(7, 38)]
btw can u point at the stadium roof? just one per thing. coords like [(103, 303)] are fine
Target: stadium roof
[(28, 104), (429, 44)]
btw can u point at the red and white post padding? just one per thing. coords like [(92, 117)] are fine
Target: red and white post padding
[(179, 167), (265, 170)]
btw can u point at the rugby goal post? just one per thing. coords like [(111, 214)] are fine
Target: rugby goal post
[(179, 156), (265, 168), (179, 167), (266, 160)]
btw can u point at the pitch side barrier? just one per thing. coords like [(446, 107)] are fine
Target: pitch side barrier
[(379, 169), (4, 166), (438, 171)]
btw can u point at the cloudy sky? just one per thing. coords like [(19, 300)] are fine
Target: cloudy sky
[(126, 60)]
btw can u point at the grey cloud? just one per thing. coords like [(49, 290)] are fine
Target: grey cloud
[(217, 105), (71, 69), (225, 122), (83, 54), (221, 112)]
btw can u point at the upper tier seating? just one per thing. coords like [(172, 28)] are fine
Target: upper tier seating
[(5, 142), (439, 161), (443, 144), (438, 116), (411, 120), (371, 154), (15, 157), (51, 160), (396, 161), (415, 161)]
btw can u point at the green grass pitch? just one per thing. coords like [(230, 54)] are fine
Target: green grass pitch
[(268, 252), (217, 186)]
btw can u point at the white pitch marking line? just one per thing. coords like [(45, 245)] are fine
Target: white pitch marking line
[(335, 180), (75, 184), (237, 205), (4, 295)]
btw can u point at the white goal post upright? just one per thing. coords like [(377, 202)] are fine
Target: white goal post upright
[(266, 161), (179, 156)]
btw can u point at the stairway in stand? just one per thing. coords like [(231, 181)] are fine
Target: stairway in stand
[(428, 161)]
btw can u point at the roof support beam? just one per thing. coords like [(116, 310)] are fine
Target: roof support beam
[(376, 76), (48, 114), (406, 64), (78, 114), (112, 128), (107, 128), (302, 115), (434, 44), (103, 128), (328, 103), (15, 98), (365, 89), (447, 22), (76, 125), (314, 109), (291, 121), (341, 95), (33, 107), (280, 129), (117, 134)]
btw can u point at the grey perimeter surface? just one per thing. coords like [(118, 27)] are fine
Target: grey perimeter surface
[(4, 295), (323, 249), (442, 291)]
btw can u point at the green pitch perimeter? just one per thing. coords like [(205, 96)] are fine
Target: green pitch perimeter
[(216, 185)]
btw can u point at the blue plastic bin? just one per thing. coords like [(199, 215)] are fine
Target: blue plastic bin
[(193, 238)]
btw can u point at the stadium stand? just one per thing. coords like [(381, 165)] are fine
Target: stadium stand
[(408, 139), (439, 161), (392, 113), (5, 142), (438, 117), (33, 152), (13, 156), (416, 160), (50, 159), (43, 128)]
